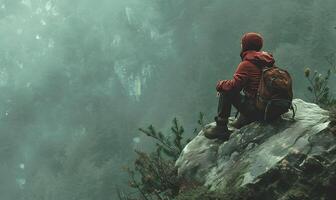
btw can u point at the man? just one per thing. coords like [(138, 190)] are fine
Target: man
[(246, 79)]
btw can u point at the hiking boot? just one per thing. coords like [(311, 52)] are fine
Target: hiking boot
[(241, 121), (220, 132)]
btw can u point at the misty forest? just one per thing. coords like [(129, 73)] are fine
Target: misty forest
[(79, 78)]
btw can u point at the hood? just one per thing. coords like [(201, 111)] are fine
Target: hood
[(259, 58), (252, 41)]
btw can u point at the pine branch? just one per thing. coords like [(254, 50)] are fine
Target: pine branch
[(163, 142)]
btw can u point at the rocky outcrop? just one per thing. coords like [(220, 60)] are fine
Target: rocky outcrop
[(270, 159)]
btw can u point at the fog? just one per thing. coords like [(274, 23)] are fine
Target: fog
[(79, 77)]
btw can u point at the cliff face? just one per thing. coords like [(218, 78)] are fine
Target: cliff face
[(276, 161)]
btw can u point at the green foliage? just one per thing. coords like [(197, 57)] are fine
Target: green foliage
[(319, 87), (331, 59), (201, 122), (170, 147), (154, 174)]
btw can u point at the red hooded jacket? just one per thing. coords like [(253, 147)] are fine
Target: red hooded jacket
[(248, 73)]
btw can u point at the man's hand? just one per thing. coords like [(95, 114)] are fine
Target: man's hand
[(219, 86)]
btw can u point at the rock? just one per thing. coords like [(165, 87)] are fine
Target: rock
[(257, 153)]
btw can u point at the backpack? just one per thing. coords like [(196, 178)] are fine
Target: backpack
[(275, 93)]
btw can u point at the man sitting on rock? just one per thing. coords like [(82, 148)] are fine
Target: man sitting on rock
[(246, 79)]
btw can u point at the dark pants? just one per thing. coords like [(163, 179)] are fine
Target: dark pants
[(245, 106)]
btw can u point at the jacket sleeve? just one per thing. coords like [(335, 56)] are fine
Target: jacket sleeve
[(240, 78)]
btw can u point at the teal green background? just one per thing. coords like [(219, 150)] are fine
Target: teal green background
[(78, 77)]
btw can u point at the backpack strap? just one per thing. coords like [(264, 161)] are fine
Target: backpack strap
[(266, 110), (236, 115), (293, 108)]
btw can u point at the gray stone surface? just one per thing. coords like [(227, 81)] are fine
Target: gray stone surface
[(255, 149)]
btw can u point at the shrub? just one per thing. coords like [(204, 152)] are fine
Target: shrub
[(319, 88), (154, 174)]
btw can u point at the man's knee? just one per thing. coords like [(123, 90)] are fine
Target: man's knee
[(230, 98), (229, 93)]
